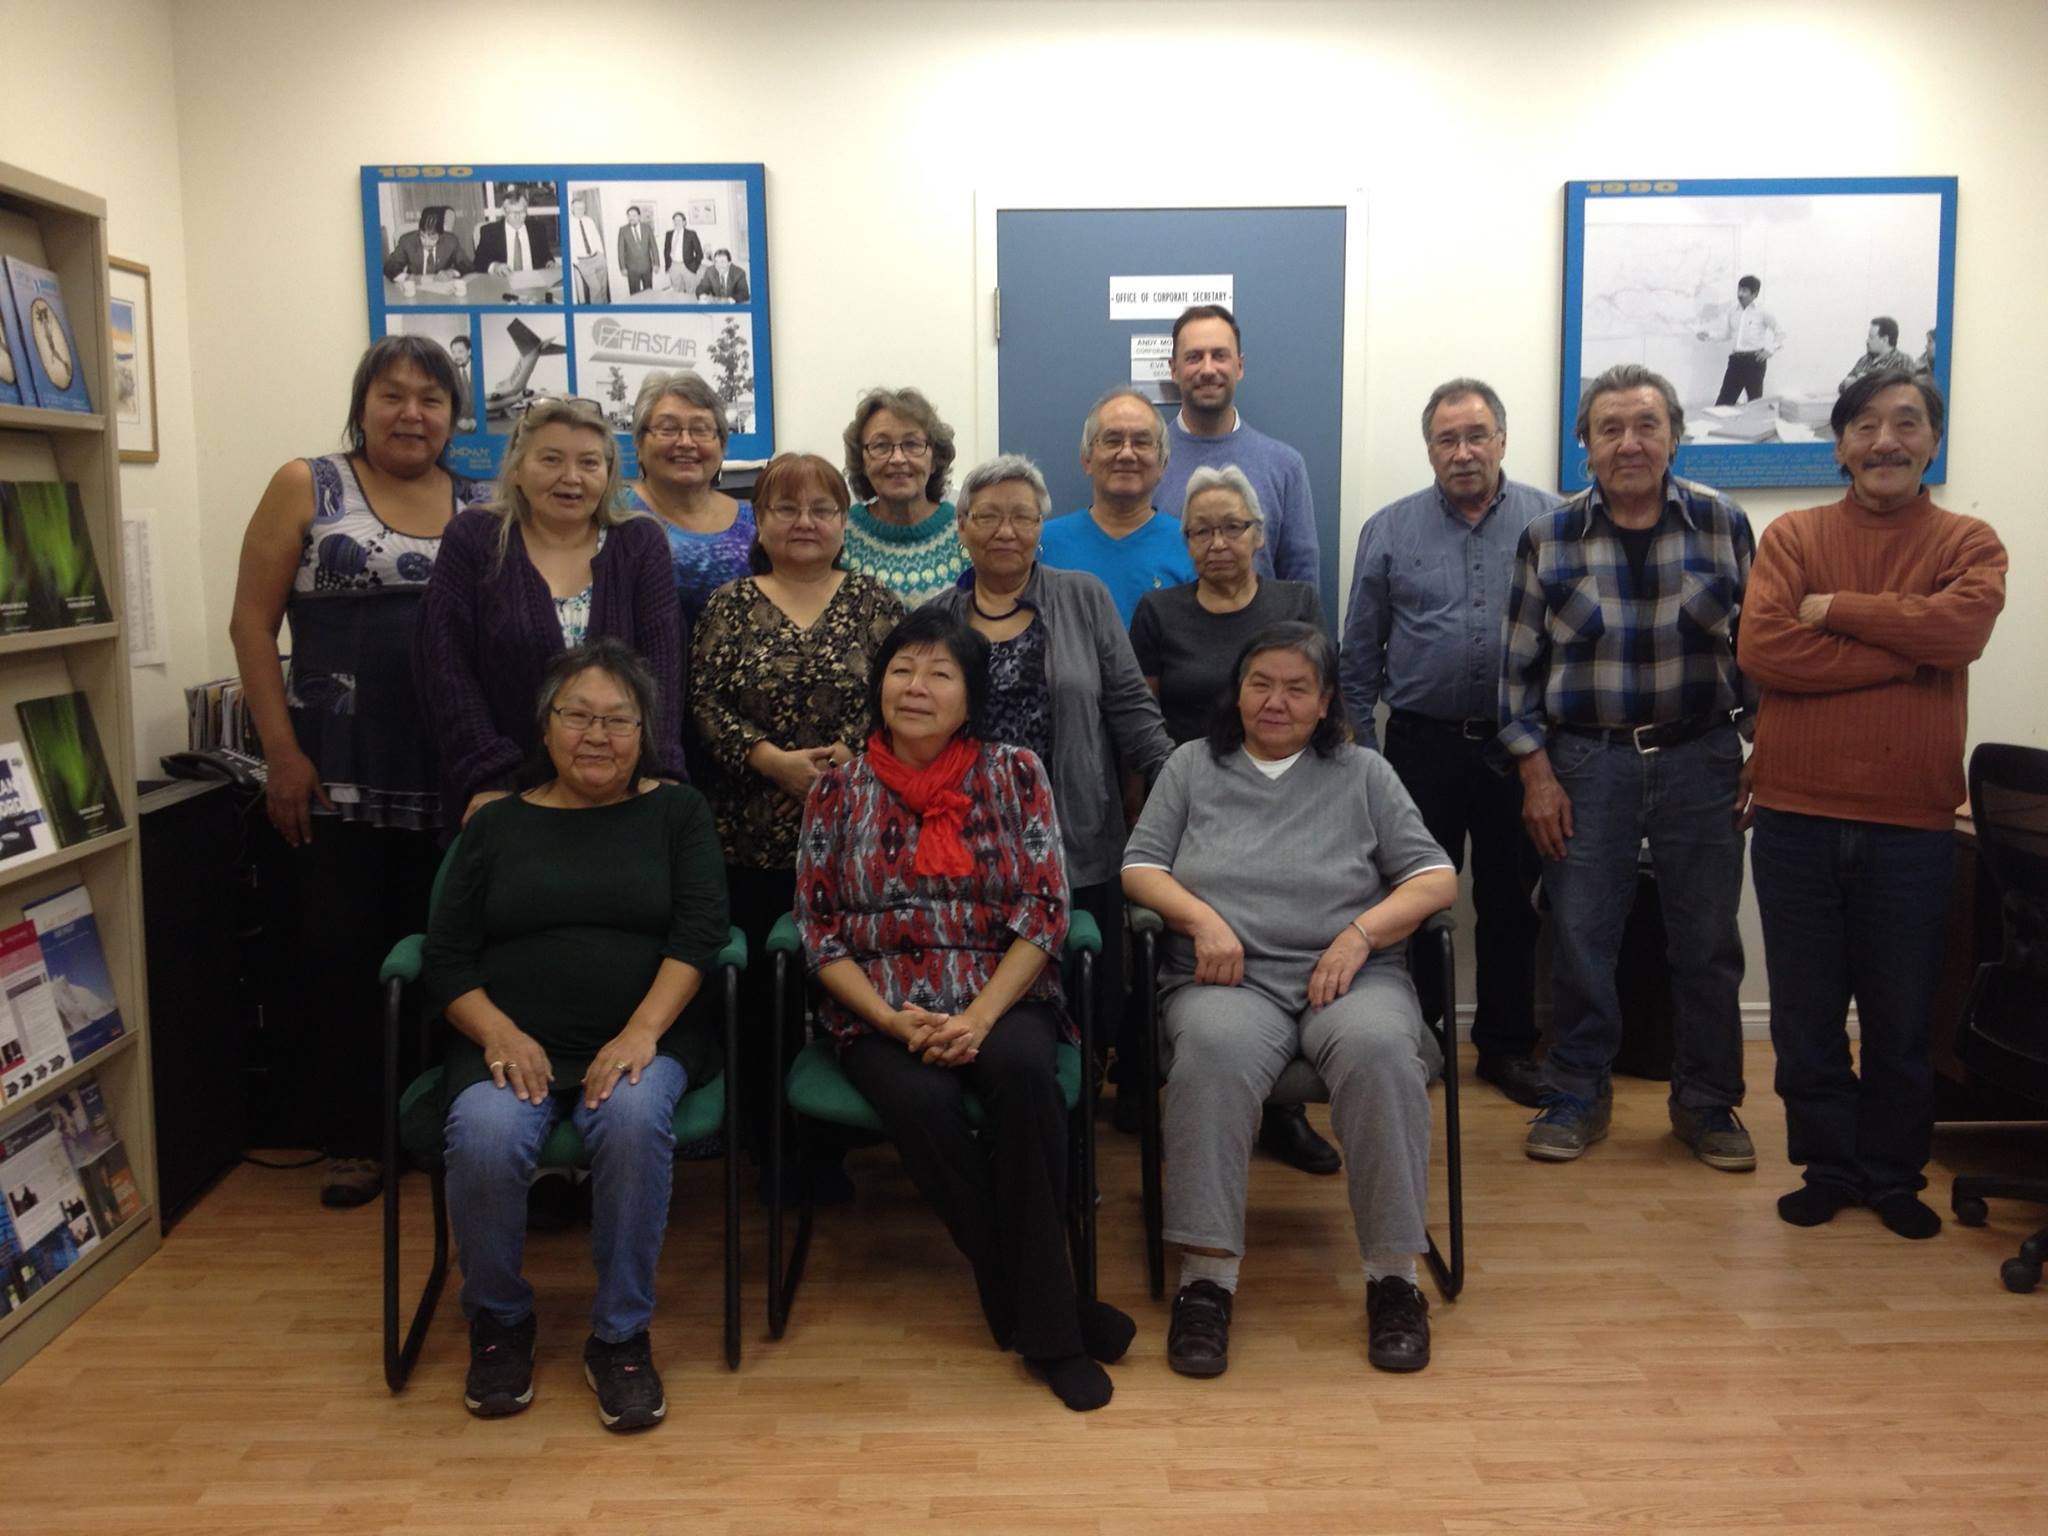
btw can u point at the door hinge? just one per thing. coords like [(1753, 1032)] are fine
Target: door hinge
[(996, 304)]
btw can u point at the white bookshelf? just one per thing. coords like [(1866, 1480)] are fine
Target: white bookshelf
[(65, 230)]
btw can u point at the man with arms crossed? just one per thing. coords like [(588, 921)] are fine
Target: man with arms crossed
[(1428, 591), (1862, 620), (1619, 698)]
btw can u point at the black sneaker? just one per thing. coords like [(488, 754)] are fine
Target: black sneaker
[(628, 1388), (1198, 1339), (500, 1379), (1517, 1077), (1396, 1324)]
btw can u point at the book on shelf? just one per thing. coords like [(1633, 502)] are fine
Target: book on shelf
[(46, 1204), (28, 1015), (11, 392), (217, 715), (24, 829), (51, 578), (98, 1155), (70, 767), (77, 963), (50, 364)]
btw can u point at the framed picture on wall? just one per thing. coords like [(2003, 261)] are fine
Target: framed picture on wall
[(131, 323), (577, 280), (1760, 301)]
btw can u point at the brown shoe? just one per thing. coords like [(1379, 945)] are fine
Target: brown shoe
[(1198, 1340)]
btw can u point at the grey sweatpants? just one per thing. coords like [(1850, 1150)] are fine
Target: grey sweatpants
[(1226, 1047)]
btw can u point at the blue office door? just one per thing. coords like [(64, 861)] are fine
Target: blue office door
[(1059, 349)]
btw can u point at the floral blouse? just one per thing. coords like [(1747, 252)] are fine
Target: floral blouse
[(755, 676), (931, 941)]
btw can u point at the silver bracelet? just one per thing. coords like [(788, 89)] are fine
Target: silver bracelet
[(1363, 934)]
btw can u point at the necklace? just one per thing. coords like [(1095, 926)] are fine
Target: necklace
[(993, 618)]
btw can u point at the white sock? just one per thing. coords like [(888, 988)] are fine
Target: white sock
[(1204, 1266), (1381, 1265)]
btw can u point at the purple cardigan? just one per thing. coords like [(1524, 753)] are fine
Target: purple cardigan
[(486, 635)]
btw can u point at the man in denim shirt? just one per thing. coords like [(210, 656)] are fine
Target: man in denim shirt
[(1622, 703)]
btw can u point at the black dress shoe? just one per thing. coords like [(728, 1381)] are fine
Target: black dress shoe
[(1518, 1077), (1198, 1339), (1286, 1133), (1396, 1325)]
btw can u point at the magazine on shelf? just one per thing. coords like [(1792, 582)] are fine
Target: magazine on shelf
[(49, 362), (45, 1202), (11, 380), (71, 769), (77, 963), (30, 1005), (24, 829), (97, 1154), (46, 534)]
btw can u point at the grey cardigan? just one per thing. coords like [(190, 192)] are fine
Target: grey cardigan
[(1104, 718)]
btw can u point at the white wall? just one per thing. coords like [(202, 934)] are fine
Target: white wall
[(100, 114)]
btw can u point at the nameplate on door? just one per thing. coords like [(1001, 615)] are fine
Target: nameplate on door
[(1163, 298)]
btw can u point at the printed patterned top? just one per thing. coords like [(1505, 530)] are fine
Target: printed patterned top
[(703, 562), (917, 563), (1019, 702), (349, 686), (931, 941), (573, 612), (754, 677)]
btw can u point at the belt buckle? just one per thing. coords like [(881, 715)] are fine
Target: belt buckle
[(1485, 731), (1636, 738)]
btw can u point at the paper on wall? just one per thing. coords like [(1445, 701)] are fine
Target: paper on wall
[(144, 589), (1163, 298)]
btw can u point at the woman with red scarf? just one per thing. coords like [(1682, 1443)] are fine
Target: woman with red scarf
[(932, 897)]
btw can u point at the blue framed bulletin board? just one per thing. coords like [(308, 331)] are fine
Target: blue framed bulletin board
[(576, 280), (1651, 270)]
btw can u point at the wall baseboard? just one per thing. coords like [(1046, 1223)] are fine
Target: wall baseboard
[(1756, 1021)]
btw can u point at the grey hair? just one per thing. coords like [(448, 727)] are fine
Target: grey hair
[(1223, 477), (1453, 389), (911, 405), (622, 664), (1625, 376), (687, 385), (1001, 470), (508, 502), (1092, 427)]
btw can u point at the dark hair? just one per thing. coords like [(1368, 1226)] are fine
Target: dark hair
[(423, 352), (1457, 389), (1196, 312), (1226, 725), (933, 625), (1753, 284), (622, 664), (434, 219), (721, 251), (911, 405), (1886, 327), (794, 467), (1619, 379), (632, 208), (1852, 402)]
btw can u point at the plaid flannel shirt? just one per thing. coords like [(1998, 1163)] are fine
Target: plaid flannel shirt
[(1582, 646)]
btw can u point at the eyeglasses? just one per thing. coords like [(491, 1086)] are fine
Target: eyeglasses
[(989, 522), (1451, 442), (1137, 442), (1230, 529), (698, 432), (790, 511), (881, 450), (618, 727)]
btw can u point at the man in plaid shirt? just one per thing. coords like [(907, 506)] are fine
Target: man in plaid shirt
[(1623, 708)]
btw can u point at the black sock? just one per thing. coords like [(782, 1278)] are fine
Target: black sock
[(1812, 1204), (1075, 1380), (1105, 1332), (1903, 1212)]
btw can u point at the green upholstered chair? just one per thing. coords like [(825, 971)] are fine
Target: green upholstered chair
[(817, 1094)]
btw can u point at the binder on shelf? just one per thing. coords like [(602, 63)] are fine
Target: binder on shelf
[(80, 983), (24, 829), (43, 528), (11, 376), (70, 767), (49, 361)]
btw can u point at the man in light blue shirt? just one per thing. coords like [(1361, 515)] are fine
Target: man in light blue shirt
[(1121, 537), (1423, 633)]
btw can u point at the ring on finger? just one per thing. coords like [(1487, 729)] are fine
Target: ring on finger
[(497, 1065), (620, 1066)]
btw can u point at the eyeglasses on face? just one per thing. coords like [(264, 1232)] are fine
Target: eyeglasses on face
[(881, 450), (698, 432), (989, 521), (618, 727), (1137, 442), (1451, 442), (1231, 529), (790, 511)]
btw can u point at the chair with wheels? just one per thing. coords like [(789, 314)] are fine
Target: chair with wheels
[(413, 1129), (2004, 1034), (1430, 946), (818, 1096)]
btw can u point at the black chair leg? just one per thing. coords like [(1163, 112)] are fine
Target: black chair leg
[(1082, 1187), (732, 1169), (1450, 1278), (1152, 1192), (400, 1357), (784, 1279)]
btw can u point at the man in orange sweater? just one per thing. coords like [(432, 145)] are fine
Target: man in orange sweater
[(1862, 620)]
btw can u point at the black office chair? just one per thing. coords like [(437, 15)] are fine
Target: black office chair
[(1430, 946), (2004, 1037), (816, 1093), (413, 1131)]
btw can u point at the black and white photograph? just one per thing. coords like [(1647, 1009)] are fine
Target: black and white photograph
[(1760, 306), (470, 242), (525, 355), (453, 332), (614, 352), (659, 242)]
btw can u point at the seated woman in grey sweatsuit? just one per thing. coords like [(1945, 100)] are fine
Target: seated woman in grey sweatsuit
[(1289, 866)]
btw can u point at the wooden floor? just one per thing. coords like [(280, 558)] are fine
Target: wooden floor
[(1642, 1346)]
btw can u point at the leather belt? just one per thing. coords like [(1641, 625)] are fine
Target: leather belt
[(1648, 738), (1464, 730)]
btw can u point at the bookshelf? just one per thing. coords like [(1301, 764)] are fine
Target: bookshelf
[(65, 230)]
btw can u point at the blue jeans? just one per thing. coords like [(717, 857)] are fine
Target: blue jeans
[(494, 1144), (1854, 909), (1682, 799)]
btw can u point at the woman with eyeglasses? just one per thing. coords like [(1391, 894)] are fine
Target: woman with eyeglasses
[(679, 435), (1186, 636), (899, 456), (556, 559), (778, 692)]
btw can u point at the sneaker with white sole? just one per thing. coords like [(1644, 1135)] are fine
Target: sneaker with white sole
[(500, 1379), (1716, 1137), (628, 1388), (1568, 1125)]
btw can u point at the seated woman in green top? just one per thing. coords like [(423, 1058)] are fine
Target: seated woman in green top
[(575, 926)]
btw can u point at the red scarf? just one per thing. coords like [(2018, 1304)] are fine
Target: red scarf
[(934, 796)]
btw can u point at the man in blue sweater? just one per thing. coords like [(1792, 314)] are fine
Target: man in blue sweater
[(1120, 536), (1208, 365)]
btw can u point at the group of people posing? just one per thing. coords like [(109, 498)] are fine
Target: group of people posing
[(932, 728)]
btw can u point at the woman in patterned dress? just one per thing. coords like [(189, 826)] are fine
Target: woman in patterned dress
[(899, 456), (344, 544), (932, 899)]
